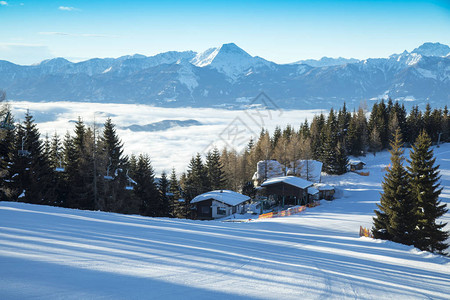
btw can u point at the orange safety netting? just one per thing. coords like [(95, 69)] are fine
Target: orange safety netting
[(288, 212)]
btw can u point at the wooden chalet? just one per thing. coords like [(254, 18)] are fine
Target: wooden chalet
[(218, 204), (290, 190)]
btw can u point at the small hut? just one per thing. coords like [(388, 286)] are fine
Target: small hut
[(325, 191), (355, 165)]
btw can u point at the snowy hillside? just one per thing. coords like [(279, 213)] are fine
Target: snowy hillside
[(50, 253), (223, 76)]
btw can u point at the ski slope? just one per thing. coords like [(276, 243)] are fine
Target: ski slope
[(52, 253)]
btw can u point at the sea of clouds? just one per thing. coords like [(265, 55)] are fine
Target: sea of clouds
[(169, 148)]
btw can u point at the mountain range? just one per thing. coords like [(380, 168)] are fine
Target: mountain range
[(229, 77)]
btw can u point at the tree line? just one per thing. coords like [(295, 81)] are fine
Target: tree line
[(97, 175), (330, 139)]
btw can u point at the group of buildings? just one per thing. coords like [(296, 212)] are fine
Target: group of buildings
[(297, 184)]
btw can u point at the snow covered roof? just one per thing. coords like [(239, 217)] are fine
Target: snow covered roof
[(291, 180), (224, 196), (323, 187), (312, 190)]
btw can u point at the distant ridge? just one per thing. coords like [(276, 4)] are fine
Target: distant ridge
[(223, 76), (163, 125)]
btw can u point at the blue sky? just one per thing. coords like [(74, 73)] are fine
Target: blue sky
[(281, 31)]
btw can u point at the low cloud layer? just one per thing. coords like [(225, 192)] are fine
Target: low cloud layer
[(167, 149)]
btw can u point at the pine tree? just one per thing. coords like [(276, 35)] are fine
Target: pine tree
[(357, 134), (414, 124), (215, 173), (163, 188), (317, 136), (7, 137), (445, 125), (196, 180), (115, 164), (59, 183), (71, 172), (276, 136), (80, 167), (30, 170), (341, 161), (328, 155), (343, 121), (424, 177), (146, 190), (396, 219), (176, 207)]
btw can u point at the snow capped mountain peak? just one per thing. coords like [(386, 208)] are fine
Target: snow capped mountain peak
[(228, 59), (226, 51), (232, 48), (432, 49)]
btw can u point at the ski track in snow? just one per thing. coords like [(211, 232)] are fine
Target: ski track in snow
[(53, 253)]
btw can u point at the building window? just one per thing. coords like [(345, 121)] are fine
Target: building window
[(205, 210), (221, 211)]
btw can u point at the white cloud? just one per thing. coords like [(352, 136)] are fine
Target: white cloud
[(167, 149), (76, 34), (3, 3), (67, 8)]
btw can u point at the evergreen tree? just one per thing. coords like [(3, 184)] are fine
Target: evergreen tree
[(396, 219), (341, 161), (445, 137), (379, 118), (414, 124), (424, 176), (317, 136), (357, 141), (146, 190), (196, 180), (163, 188), (59, 186), (276, 136), (115, 164), (81, 168), (30, 170), (329, 151), (7, 137), (176, 207), (343, 121), (215, 173)]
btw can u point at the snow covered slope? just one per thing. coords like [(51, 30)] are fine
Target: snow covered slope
[(51, 253)]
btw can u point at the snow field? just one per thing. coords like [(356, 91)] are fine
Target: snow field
[(52, 253)]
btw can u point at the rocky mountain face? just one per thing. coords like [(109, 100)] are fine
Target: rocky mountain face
[(229, 77)]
